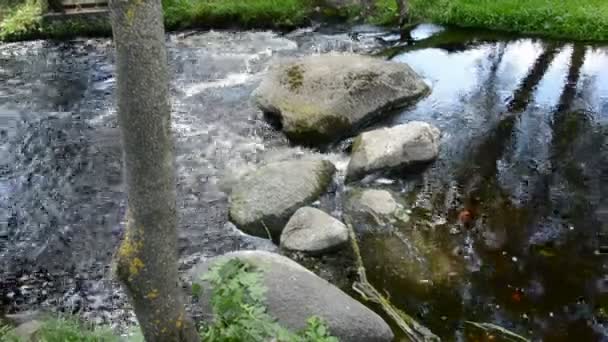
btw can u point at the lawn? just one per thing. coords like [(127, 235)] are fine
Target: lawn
[(564, 19), (567, 19), (242, 13), (23, 20)]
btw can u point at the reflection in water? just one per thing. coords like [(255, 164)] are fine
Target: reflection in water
[(529, 173)]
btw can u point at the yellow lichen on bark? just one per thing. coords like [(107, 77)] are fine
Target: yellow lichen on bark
[(135, 266), (131, 10), (180, 321), (127, 258), (152, 294)]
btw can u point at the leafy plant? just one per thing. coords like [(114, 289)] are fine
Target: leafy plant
[(240, 314), (21, 21)]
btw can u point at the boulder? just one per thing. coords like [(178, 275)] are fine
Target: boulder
[(318, 99), (403, 145), (264, 200), (313, 231), (294, 294)]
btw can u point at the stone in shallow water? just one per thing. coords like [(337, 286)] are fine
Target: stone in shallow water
[(294, 294), (403, 145), (380, 202), (375, 207), (264, 200), (313, 231), (321, 98)]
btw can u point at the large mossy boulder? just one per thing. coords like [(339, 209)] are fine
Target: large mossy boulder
[(409, 144), (294, 294), (264, 200), (322, 98), (312, 231)]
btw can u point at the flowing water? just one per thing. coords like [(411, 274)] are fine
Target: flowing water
[(524, 154)]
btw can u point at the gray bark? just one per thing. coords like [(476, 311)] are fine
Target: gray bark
[(403, 11), (146, 261)]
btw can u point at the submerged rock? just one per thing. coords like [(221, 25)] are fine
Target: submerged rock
[(321, 98), (294, 294), (375, 207), (410, 260), (264, 200), (313, 231), (404, 252), (403, 145)]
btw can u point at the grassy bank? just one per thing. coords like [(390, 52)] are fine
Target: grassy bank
[(23, 20), (249, 13), (566, 19)]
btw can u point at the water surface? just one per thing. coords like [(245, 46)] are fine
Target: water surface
[(524, 151)]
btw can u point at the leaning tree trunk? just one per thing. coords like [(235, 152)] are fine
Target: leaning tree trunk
[(146, 261)]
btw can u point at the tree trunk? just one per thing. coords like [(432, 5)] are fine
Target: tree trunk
[(368, 8), (146, 261), (402, 10)]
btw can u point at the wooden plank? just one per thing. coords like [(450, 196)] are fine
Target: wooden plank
[(84, 3)]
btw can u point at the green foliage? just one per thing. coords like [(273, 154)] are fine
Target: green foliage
[(71, 28), (250, 13), (569, 19), (63, 330), (6, 334), (240, 313), (21, 21), (71, 330)]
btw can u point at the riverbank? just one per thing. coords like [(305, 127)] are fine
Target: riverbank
[(567, 19), (561, 19), (24, 21)]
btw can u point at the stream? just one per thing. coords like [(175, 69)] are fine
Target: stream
[(524, 153)]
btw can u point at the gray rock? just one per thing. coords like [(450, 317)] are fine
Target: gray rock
[(321, 98), (266, 198), (379, 202), (374, 207), (27, 331), (23, 317), (403, 145), (295, 294), (313, 231)]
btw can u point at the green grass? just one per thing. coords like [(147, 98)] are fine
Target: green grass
[(63, 330), (243, 13), (567, 19), (20, 21)]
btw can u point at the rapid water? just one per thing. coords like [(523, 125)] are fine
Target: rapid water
[(524, 150)]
